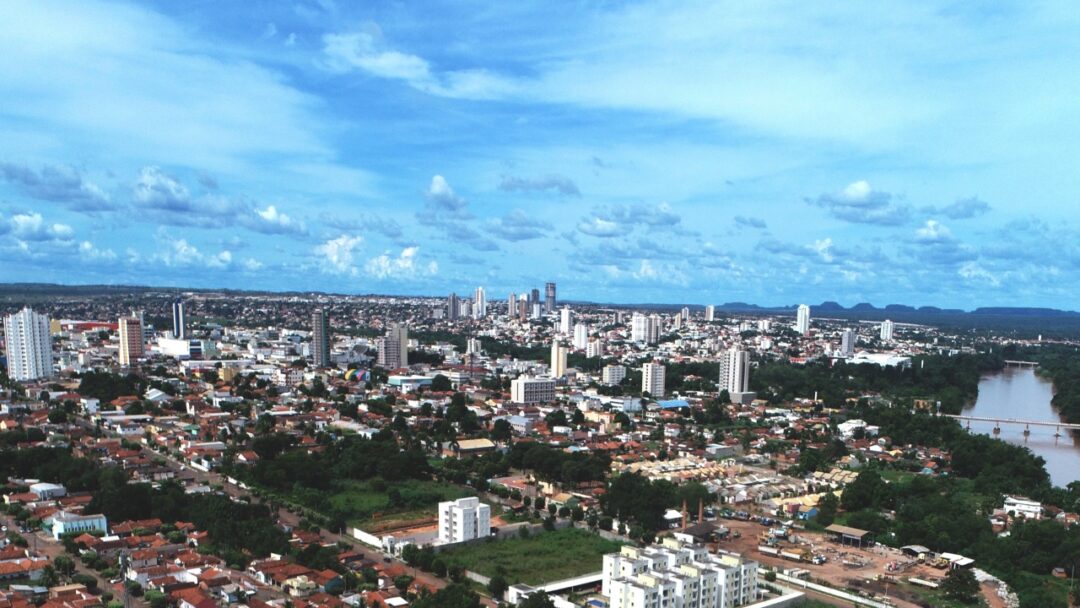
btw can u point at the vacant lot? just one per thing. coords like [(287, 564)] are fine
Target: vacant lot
[(376, 503), (540, 558)]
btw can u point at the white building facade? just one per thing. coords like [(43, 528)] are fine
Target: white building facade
[(677, 575), (29, 345), (463, 519), (652, 379), (529, 390)]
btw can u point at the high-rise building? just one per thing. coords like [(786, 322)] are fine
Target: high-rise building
[(887, 329), (802, 320), (179, 322), (527, 390), (565, 319), (394, 347), (511, 305), (710, 313), (764, 326), (320, 338), (847, 342), (581, 336), (594, 348), (685, 314), (613, 374), (549, 297), (652, 379), (645, 329), (735, 371), (28, 345), (131, 340), (534, 299), (673, 573), (479, 304), (558, 359), (453, 307), (463, 519)]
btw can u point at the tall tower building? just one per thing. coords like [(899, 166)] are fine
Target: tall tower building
[(320, 338), (479, 303), (179, 320), (394, 347), (453, 307), (847, 342), (564, 321), (653, 326), (29, 345), (887, 329), (710, 313), (511, 305), (549, 297), (802, 320), (639, 328), (652, 379), (534, 300), (594, 348), (131, 340), (581, 336), (558, 360), (735, 371)]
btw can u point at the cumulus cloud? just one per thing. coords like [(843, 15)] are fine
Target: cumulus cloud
[(597, 226), (88, 251), (444, 201), (750, 222), (61, 184), (860, 204), (367, 51), (272, 221), (449, 213), (336, 255), (181, 253), (405, 265), (556, 183), (962, 209), (933, 232), (518, 226), (617, 220), (33, 227), (158, 190)]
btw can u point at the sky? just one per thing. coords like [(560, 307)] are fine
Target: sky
[(687, 152)]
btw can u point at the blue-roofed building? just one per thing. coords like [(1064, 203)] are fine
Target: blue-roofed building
[(673, 404)]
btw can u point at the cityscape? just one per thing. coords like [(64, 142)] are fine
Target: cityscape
[(621, 304)]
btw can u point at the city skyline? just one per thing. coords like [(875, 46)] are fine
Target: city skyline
[(895, 154)]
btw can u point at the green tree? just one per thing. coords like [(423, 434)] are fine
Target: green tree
[(827, 506), (498, 586), (960, 585), (402, 582), (537, 599)]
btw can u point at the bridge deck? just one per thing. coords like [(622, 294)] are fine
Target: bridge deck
[(1060, 425)]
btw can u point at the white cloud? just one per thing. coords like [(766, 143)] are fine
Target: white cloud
[(158, 190), (933, 232), (89, 252), (33, 227), (336, 255), (405, 266)]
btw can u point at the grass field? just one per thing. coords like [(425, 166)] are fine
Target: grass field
[(369, 504), (540, 558)]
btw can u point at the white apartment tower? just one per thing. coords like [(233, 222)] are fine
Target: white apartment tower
[(802, 320), (479, 303), (565, 319), (463, 519), (677, 575), (645, 329), (887, 329), (29, 345), (179, 320), (735, 371), (613, 374), (595, 348), (131, 340), (394, 347), (710, 313), (652, 379), (581, 336), (558, 359)]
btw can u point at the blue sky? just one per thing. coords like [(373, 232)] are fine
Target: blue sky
[(923, 153)]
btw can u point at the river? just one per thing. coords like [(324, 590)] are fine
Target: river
[(1021, 393)]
